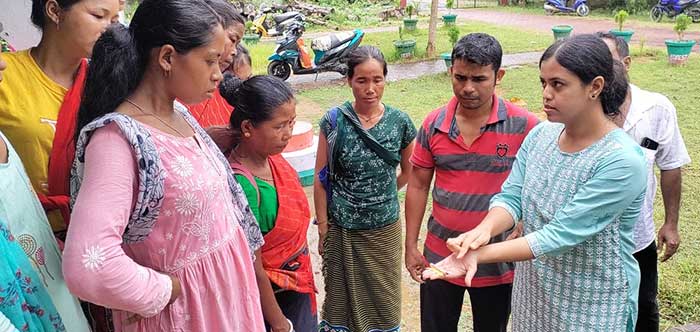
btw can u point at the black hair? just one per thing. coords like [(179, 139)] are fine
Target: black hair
[(242, 55), (479, 48), (588, 57), (621, 46), (120, 56), (364, 53), (255, 99), (228, 13), (38, 15)]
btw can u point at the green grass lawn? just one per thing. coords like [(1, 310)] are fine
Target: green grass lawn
[(513, 41), (680, 277)]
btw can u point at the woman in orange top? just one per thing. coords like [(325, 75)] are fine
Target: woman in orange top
[(216, 111), (41, 94)]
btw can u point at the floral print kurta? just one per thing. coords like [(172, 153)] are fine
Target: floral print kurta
[(196, 238)]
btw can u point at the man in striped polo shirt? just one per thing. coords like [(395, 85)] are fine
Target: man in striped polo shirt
[(470, 145)]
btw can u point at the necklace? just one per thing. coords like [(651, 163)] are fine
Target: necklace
[(155, 116), (371, 117), (235, 156), (264, 179)]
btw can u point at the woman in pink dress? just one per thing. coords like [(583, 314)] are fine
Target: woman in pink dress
[(160, 232)]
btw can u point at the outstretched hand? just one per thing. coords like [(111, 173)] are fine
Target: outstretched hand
[(454, 267)]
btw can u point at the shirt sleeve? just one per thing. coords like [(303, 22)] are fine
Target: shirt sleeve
[(422, 155), (672, 152), (617, 187), (95, 266), (511, 191), (409, 133), (325, 124)]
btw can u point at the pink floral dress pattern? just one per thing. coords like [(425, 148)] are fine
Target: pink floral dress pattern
[(197, 239)]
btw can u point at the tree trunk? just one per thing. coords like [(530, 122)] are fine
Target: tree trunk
[(432, 29)]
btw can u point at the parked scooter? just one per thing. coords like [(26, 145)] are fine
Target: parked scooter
[(673, 8), (330, 53), (262, 27), (580, 7)]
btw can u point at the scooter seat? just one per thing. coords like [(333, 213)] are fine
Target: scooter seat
[(331, 41), (283, 17)]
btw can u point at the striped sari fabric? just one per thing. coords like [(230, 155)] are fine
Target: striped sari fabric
[(362, 272)]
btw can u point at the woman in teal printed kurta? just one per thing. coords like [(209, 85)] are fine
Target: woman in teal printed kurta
[(21, 210), (357, 220), (24, 301), (578, 187)]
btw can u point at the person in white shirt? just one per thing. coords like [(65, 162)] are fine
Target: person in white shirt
[(650, 118)]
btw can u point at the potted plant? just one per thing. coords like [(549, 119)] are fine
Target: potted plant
[(453, 34), (678, 50), (4, 46), (410, 23), (620, 18), (449, 18), (404, 47), (250, 37), (562, 31)]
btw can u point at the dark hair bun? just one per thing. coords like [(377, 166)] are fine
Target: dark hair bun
[(229, 86)]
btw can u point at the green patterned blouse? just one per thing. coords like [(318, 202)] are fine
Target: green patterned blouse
[(363, 191)]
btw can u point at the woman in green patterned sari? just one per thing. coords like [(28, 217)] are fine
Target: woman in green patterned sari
[(357, 209)]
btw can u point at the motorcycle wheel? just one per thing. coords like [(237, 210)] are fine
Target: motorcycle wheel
[(279, 69), (583, 10), (343, 69), (694, 13), (656, 14)]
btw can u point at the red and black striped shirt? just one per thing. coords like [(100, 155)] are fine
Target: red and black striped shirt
[(466, 177)]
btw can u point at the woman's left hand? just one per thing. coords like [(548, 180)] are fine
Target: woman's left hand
[(222, 136), (453, 267)]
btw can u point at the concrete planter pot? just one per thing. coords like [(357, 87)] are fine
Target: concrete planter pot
[(624, 34), (562, 31), (448, 59), (251, 39), (405, 48), (410, 24), (449, 19), (679, 50)]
